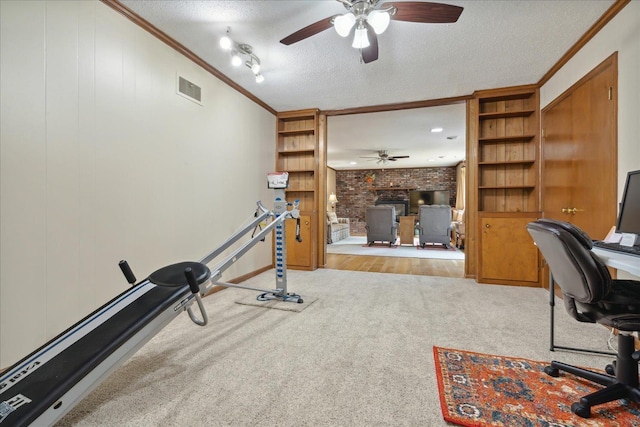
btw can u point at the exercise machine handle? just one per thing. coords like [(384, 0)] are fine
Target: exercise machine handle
[(126, 270), (195, 290), (191, 280)]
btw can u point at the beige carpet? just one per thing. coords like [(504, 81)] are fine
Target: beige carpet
[(360, 355)]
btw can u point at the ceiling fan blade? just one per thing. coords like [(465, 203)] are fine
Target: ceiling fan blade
[(415, 11), (392, 159), (398, 157), (309, 30), (370, 53)]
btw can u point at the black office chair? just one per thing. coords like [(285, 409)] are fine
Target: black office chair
[(590, 295)]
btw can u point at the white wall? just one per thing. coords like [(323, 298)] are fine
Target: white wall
[(622, 34), (100, 160)]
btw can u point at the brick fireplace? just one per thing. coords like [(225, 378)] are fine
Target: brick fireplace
[(355, 194)]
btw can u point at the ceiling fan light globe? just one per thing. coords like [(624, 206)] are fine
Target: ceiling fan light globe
[(344, 23), (379, 20), (360, 39), (259, 78)]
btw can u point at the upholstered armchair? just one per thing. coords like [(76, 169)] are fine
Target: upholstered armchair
[(435, 224), (381, 224)]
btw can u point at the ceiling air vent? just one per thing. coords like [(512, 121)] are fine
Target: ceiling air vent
[(189, 90)]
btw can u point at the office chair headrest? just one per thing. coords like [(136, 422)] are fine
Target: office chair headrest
[(576, 232)]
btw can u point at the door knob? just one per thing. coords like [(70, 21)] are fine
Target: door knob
[(487, 226)]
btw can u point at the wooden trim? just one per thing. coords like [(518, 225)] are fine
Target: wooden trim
[(399, 106), (154, 31), (239, 279), (471, 192), (586, 37), (322, 190), (505, 92)]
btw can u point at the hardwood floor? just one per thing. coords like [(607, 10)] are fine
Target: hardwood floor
[(415, 266)]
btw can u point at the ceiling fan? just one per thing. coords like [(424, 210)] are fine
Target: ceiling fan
[(369, 19), (384, 157)]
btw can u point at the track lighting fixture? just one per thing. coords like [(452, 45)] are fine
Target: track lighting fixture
[(240, 50)]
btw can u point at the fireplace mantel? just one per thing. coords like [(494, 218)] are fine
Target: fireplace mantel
[(392, 189)]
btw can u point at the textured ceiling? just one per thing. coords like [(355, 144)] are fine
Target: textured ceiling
[(493, 44)]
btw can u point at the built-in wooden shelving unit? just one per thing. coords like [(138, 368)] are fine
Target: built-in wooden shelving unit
[(297, 153)]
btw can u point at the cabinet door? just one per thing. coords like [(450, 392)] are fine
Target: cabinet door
[(507, 252), (299, 254)]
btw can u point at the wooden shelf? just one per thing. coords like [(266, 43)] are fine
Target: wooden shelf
[(302, 151), (296, 132), (506, 187), (300, 170), (297, 190), (505, 114), (507, 139), (508, 162)]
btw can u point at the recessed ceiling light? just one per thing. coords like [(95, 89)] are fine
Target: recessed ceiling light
[(452, 137), (353, 163), (435, 130), (431, 160)]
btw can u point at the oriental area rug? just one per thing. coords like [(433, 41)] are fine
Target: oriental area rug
[(486, 390)]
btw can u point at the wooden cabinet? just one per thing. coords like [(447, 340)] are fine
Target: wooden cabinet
[(297, 153), (407, 229), (300, 254), (507, 253), (504, 155)]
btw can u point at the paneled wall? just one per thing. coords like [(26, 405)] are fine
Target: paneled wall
[(355, 194), (101, 160)]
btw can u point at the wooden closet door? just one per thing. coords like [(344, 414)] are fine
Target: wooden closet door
[(580, 152)]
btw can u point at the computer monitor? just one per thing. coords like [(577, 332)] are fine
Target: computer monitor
[(629, 216)]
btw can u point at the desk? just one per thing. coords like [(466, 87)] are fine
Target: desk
[(617, 260)]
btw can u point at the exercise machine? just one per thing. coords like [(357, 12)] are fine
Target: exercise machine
[(45, 385)]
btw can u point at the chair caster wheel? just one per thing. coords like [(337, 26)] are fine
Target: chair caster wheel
[(551, 371), (610, 369), (300, 301), (580, 410)]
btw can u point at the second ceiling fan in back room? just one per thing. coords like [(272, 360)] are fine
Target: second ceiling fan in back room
[(384, 157), (368, 18)]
